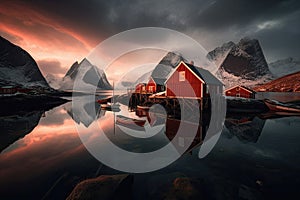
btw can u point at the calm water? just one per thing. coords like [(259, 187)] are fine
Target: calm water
[(42, 156)]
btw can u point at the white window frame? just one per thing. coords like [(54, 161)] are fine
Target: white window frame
[(182, 76)]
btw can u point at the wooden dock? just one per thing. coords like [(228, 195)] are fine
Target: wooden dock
[(175, 107)]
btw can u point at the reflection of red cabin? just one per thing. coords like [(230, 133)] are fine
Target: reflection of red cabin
[(155, 85), (172, 130), (140, 88), (192, 82), (240, 91)]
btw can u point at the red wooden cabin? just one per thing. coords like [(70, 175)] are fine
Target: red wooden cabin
[(240, 91), (155, 85), (188, 81), (8, 90), (140, 88)]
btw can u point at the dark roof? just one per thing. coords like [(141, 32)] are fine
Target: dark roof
[(205, 75), (248, 89), (159, 81)]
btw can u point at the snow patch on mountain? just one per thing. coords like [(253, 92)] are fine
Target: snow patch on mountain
[(53, 81), (230, 80), (284, 67), (219, 54)]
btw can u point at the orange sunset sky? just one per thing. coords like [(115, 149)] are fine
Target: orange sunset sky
[(58, 33)]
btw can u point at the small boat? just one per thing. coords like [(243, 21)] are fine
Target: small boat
[(278, 106), (106, 105), (111, 107), (127, 121), (104, 101), (143, 107)]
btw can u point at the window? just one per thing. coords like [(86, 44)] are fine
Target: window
[(238, 95), (151, 88), (182, 76), (238, 89)]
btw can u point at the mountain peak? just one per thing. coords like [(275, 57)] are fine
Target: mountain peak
[(85, 61), (166, 65), (87, 74), (246, 59), (18, 68)]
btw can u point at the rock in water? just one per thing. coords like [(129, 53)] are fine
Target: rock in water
[(185, 188), (104, 187)]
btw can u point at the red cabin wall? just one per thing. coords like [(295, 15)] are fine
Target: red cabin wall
[(150, 84), (241, 92), (140, 88), (190, 87)]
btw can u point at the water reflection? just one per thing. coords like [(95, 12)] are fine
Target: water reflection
[(51, 153), (86, 112), (16, 123), (245, 128), (50, 159)]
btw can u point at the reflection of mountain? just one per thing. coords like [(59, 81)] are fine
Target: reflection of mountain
[(246, 129), (15, 124), (86, 110)]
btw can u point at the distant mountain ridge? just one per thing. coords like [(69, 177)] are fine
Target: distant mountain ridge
[(87, 74), (18, 68), (284, 67), (288, 83)]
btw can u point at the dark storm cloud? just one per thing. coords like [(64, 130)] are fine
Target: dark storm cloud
[(242, 13), (50, 67), (96, 20)]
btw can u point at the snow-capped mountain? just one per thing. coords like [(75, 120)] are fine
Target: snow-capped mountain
[(219, 54), (18, 68), (166, 65), (284, 67), (241, 63), (87, 75)]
